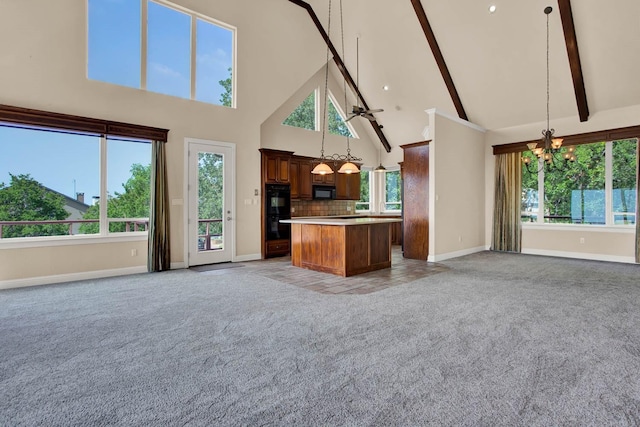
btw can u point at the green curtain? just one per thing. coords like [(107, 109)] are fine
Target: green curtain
[(507, 226), (158, 258), (638, 200)]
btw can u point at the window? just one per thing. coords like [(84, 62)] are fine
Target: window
[(184, 54), (304, 116), (308, 115), (598, 188), (364, 204), (50, 184), (335, 119), (393, 191)]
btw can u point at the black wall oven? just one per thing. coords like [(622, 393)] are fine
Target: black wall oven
[(278, 206)]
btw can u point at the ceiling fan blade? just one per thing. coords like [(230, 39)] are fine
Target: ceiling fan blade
[(378, 110), (351, 117)]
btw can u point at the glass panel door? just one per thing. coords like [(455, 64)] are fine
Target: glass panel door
[(210, 203)]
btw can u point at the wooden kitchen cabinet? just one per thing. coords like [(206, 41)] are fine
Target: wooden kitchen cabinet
[(329, 179), (276, 166), (347, 186), (415, 200), (300, 177)]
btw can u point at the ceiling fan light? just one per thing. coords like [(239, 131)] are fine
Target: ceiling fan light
[(322, 169), (349, 167)]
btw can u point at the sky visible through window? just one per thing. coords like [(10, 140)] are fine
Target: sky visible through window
[(67, 163), (115, 51)]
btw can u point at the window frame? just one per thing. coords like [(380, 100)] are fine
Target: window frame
[(58, 122), (609, 214), (144, 35), (383, 191)]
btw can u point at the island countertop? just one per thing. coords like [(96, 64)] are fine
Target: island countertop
[(344, 220)]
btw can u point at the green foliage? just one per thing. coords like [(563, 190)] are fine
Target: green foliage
[(25, 199), (304, 116), (132, 203), (226, 96), (364, 202), (336, 123), (393, 185), (576, 192), (210, 191)]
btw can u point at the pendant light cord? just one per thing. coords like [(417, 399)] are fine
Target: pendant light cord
[(547, 71), (344, 81), (326, 84)]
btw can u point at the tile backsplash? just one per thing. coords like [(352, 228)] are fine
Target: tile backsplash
[(322, 207)]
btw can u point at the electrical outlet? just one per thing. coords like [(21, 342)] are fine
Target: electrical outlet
[(582, 240), (256, 192), (134, 252), (348, 208)]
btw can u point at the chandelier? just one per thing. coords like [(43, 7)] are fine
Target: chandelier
[(348, 167), (549, 150)]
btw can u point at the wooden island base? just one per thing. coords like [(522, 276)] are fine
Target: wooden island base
[(345, 248)]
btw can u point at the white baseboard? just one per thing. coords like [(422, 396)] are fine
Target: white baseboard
[(70, 277), (250, 257), (456, 254), (580, 255)]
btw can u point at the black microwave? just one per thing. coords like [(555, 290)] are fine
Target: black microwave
[(324, 192)]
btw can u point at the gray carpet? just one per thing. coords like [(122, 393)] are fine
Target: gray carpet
[(499, 340)]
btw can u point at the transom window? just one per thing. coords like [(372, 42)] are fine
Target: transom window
[(161, 47), (599, 188)]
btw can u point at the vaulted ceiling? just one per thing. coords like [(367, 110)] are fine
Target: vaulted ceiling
[(497, 61)]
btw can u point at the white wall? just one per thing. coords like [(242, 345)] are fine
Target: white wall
[(43, 66), (457, 199), (576, 241)]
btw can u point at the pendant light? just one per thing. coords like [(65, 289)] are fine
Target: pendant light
[(549, 147), (380, 168), (348, 166)]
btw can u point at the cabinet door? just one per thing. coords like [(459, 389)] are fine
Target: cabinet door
[(294, 178), (304, 180), (348, 186), (270, 169), (283, 169)]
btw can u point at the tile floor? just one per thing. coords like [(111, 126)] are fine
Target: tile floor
[(402, 271)]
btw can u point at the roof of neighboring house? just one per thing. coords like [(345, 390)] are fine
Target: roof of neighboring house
[(70, 201)]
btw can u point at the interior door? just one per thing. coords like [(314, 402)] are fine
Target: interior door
[(210, 206)]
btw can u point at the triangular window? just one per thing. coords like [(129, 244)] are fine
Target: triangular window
[(336, 120), (304, 116)]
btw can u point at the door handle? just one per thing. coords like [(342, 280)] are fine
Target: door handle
[(228, 218)]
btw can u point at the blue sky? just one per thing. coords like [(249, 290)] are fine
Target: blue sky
[(68, 163)]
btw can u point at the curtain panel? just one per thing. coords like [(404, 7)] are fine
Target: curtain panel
[(159, 257), (507, 226), (638, 201)]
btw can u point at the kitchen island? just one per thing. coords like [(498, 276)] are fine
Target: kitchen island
[(345, 246)]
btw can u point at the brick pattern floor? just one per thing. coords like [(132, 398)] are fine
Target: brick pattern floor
[(402, 271)]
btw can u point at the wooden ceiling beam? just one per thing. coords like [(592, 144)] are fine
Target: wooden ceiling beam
[(437, 54), (566, 16), (343, 70)]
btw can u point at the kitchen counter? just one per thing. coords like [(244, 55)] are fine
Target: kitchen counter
[(340, 220), (345, 245)]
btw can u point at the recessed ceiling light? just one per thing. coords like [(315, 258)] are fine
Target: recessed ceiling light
[(385, 87), (492, 8)]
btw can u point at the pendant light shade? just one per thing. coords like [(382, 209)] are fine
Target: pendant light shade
[(322, 169), (380, 168), (349, 167)]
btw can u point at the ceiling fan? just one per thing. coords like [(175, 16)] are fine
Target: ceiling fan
[(358, 110), (362, 112)]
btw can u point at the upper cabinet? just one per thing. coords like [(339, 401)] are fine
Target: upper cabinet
[(347, 186), (329, 179), (276, 166), (300, 174)]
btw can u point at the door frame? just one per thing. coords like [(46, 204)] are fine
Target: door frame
[(185, 191)]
